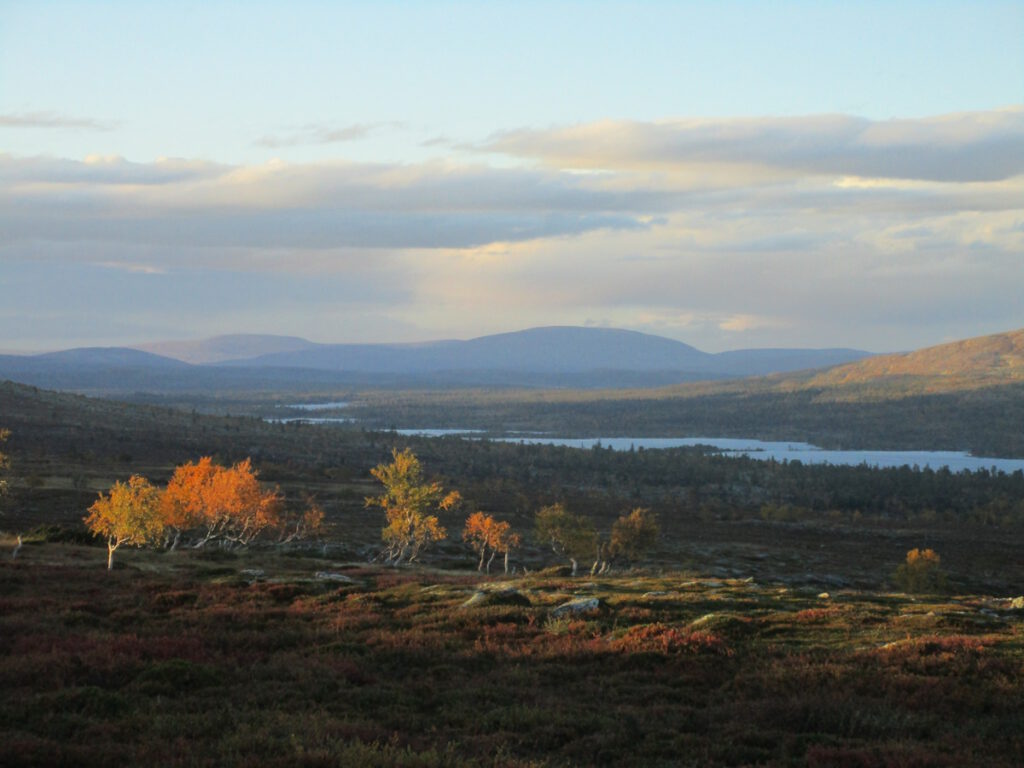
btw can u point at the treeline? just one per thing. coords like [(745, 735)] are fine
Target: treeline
[(983, 421), (701, 482)]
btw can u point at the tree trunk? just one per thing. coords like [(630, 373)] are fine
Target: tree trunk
[(480, 565), (575, 565), (111, 547), (506, 560), (493, 553)]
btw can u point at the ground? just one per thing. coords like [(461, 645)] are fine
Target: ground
[(289, 658)]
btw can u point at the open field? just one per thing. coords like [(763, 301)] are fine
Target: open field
[(221, 659)]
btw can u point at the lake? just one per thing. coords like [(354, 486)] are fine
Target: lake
[(765, 450), (790, 451)]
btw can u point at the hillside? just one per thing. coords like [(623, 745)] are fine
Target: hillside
[(981, 361)]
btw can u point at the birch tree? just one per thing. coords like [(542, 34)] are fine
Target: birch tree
[(128, 515)]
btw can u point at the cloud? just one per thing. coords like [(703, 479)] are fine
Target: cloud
[(277, 205), (722, 233), (323, 134), (52, 120), (962, 147)]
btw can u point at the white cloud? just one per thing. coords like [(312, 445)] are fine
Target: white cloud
[(44, 120), (971, 146)]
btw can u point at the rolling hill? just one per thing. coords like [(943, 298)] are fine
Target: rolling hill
[(982, 361), (543, 352)]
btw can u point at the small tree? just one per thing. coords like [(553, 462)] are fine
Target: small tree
[(128, 515), (407, 502), (484, 533), (921, 572), (570, 536), (634, 535), (219, 503), (507, 541), (184, 502), (302, 525)]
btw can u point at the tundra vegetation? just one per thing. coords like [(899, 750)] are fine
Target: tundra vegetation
[(749, 612)]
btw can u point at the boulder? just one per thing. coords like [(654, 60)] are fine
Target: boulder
[(334, 576), (579, 607), (482, 599)]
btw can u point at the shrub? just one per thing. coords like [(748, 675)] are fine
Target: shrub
[(921, 572)]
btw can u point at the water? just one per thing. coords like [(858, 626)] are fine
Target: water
[(956, 461), (316, 406), (439, 432), (310, 420)]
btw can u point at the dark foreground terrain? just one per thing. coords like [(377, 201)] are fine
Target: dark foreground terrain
[(268, 659), (764, 628)]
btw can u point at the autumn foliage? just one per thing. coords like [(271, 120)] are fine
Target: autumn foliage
[(217, 502), (128, 515), (921, 572), (408, 501), (486, 534)]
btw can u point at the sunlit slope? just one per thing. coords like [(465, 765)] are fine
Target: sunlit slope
[(981, 361)]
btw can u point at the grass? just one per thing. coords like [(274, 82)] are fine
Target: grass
[(174, 659)]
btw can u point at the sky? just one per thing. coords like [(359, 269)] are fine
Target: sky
[(731, 175)]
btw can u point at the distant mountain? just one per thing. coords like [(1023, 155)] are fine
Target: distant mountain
[(558, 356), (980, 361), (551, 350), (537, 350), (230, 347), (92, 357)]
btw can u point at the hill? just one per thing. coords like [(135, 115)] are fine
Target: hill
[(982, 361), (537, 350), (554, 350)]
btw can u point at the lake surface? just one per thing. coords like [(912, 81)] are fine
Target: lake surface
[(317, 406), (309, 420), (790, 451)]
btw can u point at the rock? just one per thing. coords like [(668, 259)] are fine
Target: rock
[(481, 599), (254, 574), (578, 607), (656, 593), (824, 596), (334, 576), (1017, 604), (722, 623)]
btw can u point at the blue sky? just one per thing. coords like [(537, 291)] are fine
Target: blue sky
[(728, 174)]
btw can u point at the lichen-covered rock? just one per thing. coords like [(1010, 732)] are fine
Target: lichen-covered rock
[(580, 606), (1017, 603), (334, 576), (481, 599)]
